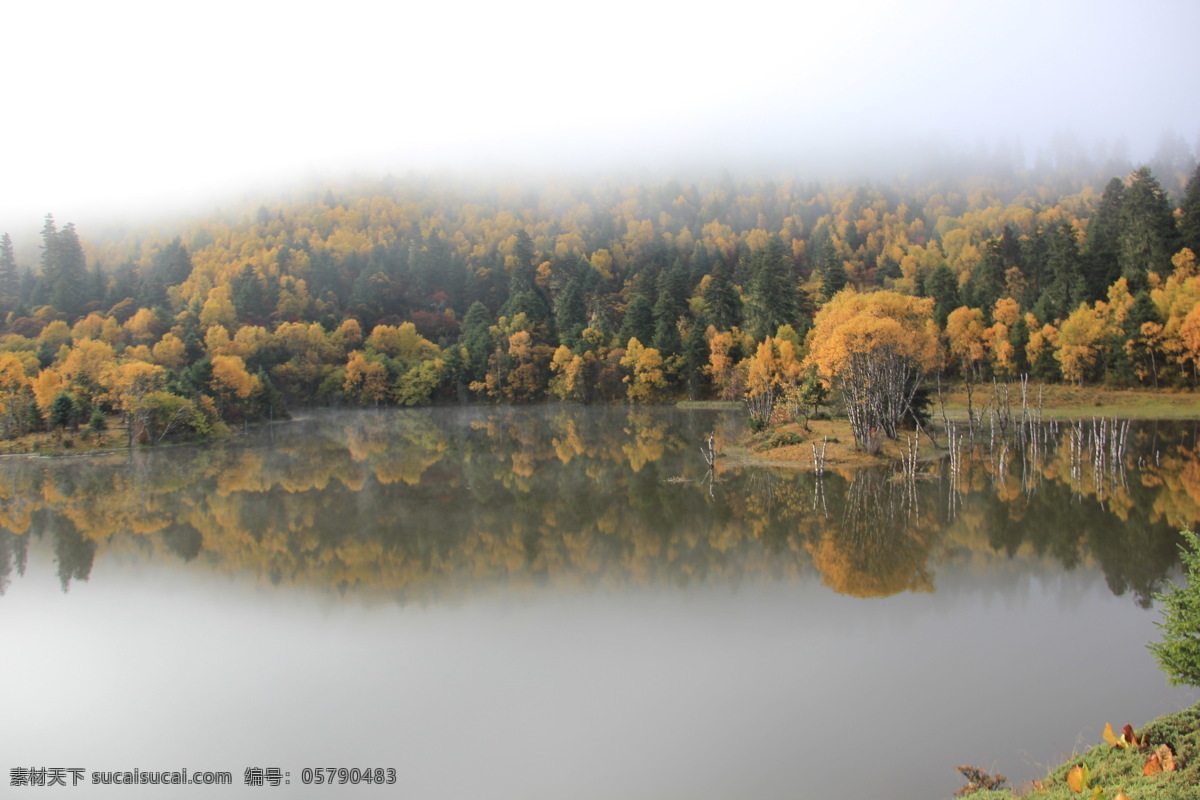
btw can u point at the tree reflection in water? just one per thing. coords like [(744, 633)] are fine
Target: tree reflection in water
[(428, 503)]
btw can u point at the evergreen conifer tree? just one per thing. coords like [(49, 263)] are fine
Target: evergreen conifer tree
[(771, 298), (1189, 225), (1147, 236), (10, 281), (1101, 266), (722, 302)]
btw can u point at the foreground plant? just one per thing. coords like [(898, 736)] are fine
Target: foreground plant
[(1178, 653)]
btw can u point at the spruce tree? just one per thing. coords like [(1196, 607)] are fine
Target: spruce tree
[(668, 308), (1178, 653), (771, 298), (10, 281), (64, 269), (477, 341), (943, 288), (695, 358), (1147, 236), (987, 280), (638, 322), (723, 304), (1101, 266), (1189, 225), (1066, 287)]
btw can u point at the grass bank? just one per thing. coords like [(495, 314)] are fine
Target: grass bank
[(65, 443), (1112, 770), (1059, 401)]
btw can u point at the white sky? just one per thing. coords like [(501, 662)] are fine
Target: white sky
[(133, 107)]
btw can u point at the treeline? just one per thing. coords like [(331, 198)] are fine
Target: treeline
[(414, 292)]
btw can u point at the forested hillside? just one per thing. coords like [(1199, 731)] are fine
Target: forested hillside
[(417, 291)]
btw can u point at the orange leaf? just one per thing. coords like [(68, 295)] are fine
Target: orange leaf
[(1121, 796), (1166, 758), (1075, 779), (1153, 765), (1129, 735), (1111, 738)]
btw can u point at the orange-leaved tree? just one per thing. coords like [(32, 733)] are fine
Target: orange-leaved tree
[(875, 349)]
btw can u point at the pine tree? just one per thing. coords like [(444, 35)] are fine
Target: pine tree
[(987, 280), (1066, 287), (169, 266), (771, 295), (827, 263), (64, 269), (1101, 266), (10, 281), (722, 302), (477, 341), (1147, 237), (1178, 653), (1189, 225), (695, 359), (668, 308), (638, 322), (524, 295), (570, 312), (943, 288)]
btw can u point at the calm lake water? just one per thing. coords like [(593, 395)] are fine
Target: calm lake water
[(561, 603)]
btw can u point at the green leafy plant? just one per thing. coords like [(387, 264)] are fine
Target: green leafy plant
[(1178, 653)]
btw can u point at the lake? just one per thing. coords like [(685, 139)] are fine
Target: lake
[(562, 602)]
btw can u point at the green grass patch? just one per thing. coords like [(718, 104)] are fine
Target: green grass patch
[(1114, 769)]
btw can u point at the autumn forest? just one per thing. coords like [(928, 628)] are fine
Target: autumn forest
[(419, 290)]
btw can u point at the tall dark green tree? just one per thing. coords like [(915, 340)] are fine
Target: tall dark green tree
[(570, 311), (249, 296), (826, 262), (723, 304), (169, 266), (10, 281), (64, 269), (1147, 237), (943, 288), (1189, 225), (1101, 265), (771, 294), (695, 359), (986, 284), (638, 322), (1065, 285), (670, 305), (524, 294), (477, 341)]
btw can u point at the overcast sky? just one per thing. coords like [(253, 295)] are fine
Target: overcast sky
[(135, 107)]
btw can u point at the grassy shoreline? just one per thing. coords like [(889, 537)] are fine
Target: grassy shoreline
[(1059, 401), (1115, 769), (790, 445)]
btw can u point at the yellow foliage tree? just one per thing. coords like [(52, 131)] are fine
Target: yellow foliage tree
[(14, 394), (142, 328), (129, 386), (46, 386), (1078, 342), (645, 379), (366, 381), (218, 309), (771, 372), (84, 365), (170, 352), (875, 349), (568, 371)]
